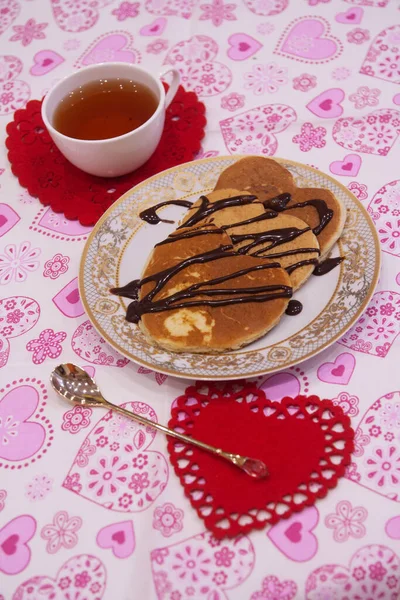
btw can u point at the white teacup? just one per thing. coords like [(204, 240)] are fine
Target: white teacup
[(119, 155)]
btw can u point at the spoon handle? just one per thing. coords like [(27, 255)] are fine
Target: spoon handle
[(236, 459)]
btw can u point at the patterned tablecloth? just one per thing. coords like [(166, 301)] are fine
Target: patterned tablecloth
[(335, 66)]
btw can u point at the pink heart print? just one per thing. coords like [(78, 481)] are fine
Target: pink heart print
[(26, 433), (376, 459), (373, 572), (68, 300), (352, 16), (192, 568), (309, 40), (21, 438), (18, 314), (242, 46), (9, 11), (155, 28), (14, 92), (377, 329), (327, 105), (89, 346), (15, 553), (169, 8), (374, 133), (200, 72), (110, 47), (377, 3), (114, 468), (384, 209), (382, 60), (253, 131), (159, 377), (4, 351), (294, 537), (206, 154), (348, 167), (45, 61), (339, 371), (266, 9), (82, 577), (120, 537), (275, 589), (8, 218), (79, 15), (56, 226), (392, 528), (280, 385)]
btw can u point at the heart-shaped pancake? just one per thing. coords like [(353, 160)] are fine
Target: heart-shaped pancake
[(284, 238), (267, 179), (193, 290)]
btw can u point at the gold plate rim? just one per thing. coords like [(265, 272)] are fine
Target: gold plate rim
[(264, 371)]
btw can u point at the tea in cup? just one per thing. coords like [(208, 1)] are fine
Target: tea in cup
[(107, 119)]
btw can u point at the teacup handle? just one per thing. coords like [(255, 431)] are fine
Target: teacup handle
[(173, 88)]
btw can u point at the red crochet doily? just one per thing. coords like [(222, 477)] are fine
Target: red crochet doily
[(305, 442), (48, 176)]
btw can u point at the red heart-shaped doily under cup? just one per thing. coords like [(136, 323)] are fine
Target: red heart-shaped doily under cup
[(48, 176), (305, 442)]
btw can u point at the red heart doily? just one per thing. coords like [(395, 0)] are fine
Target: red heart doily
[(305, 442), (48, 176)]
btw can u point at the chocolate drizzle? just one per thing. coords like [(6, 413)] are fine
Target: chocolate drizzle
[(294, 308), (327, 265), (294, 251), (263, 217), (205, 293), (188, 234), (207, 208), (279, 204), (150, 214), (275, 236), (130, 290), (193, 295), (301, 263)]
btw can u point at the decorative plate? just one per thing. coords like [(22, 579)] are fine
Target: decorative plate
[(120, 243)]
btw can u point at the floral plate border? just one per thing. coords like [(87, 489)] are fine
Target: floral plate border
[(104, 249)]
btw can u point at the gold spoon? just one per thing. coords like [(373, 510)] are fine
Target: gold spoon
[(75, 385)]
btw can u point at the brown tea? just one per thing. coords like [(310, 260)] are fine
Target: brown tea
[(104, 109)]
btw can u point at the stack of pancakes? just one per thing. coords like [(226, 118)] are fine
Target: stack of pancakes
[(225, 276)]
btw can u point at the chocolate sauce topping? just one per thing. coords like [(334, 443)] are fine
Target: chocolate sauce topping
[(327, 265), (193, 295), (263, 217), (301, 263), (207, 208), (275, 236), (294, 308), (188, 234), (130, 290), (279, 204), (150, 214), (291, 252), (201, 294)]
